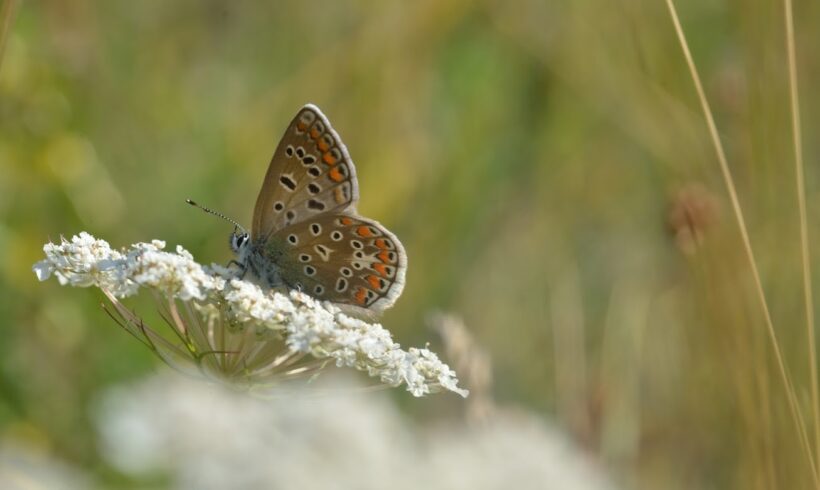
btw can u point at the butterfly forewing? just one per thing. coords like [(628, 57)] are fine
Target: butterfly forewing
[(341, 258), (310, 173)]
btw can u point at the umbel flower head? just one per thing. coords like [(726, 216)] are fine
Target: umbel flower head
[(232, 330)]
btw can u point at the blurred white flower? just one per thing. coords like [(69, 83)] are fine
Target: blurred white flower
[(24, 466), (232, 330), (206, 437)]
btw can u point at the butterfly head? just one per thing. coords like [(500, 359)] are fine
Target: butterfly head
[(239, 239)]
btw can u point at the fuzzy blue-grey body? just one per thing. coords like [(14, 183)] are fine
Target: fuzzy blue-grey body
[(260, 259)]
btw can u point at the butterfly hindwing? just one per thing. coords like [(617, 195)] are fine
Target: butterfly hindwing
[(342, 258), (310, 173)]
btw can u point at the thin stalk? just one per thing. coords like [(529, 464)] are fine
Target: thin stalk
[(126, 327), (747, 245), (804, 235), (6, 18)]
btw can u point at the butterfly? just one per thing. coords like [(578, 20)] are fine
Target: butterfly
[(306, 233)]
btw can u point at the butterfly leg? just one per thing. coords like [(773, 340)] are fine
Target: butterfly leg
[(241, 267)]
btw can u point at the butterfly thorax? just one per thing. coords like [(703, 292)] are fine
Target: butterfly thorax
[(261, 258)]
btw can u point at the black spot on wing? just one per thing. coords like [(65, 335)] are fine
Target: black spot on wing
[(288, 182), (316, 205)]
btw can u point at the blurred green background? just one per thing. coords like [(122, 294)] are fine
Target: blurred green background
[(545, 163)]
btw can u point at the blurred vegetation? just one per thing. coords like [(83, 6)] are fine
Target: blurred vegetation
[(546, 165)]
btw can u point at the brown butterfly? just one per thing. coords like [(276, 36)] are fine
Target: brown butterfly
[(306, 233)]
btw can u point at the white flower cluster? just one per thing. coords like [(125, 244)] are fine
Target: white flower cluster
[(86, 261), (334, 435), (306, 325), (27, 465)]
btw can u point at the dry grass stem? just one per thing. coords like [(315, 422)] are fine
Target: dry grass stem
[(804, 234), (6, 18), (730, 186)]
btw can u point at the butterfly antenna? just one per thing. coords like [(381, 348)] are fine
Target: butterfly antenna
[(216, 213)]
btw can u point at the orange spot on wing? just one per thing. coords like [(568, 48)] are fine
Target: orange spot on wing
[(323, 146), (346, 221), (329, 159), (381, 243), (314, 133), (384, 257), (374, 282), (380, 268), (361, 295), (301, 126), (364, 231), (335, 175)]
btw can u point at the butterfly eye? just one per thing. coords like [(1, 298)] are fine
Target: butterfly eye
[(236, 241)]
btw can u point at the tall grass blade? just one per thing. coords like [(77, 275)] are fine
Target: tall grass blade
[(747, 246), (804, 234), (6, 19)]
